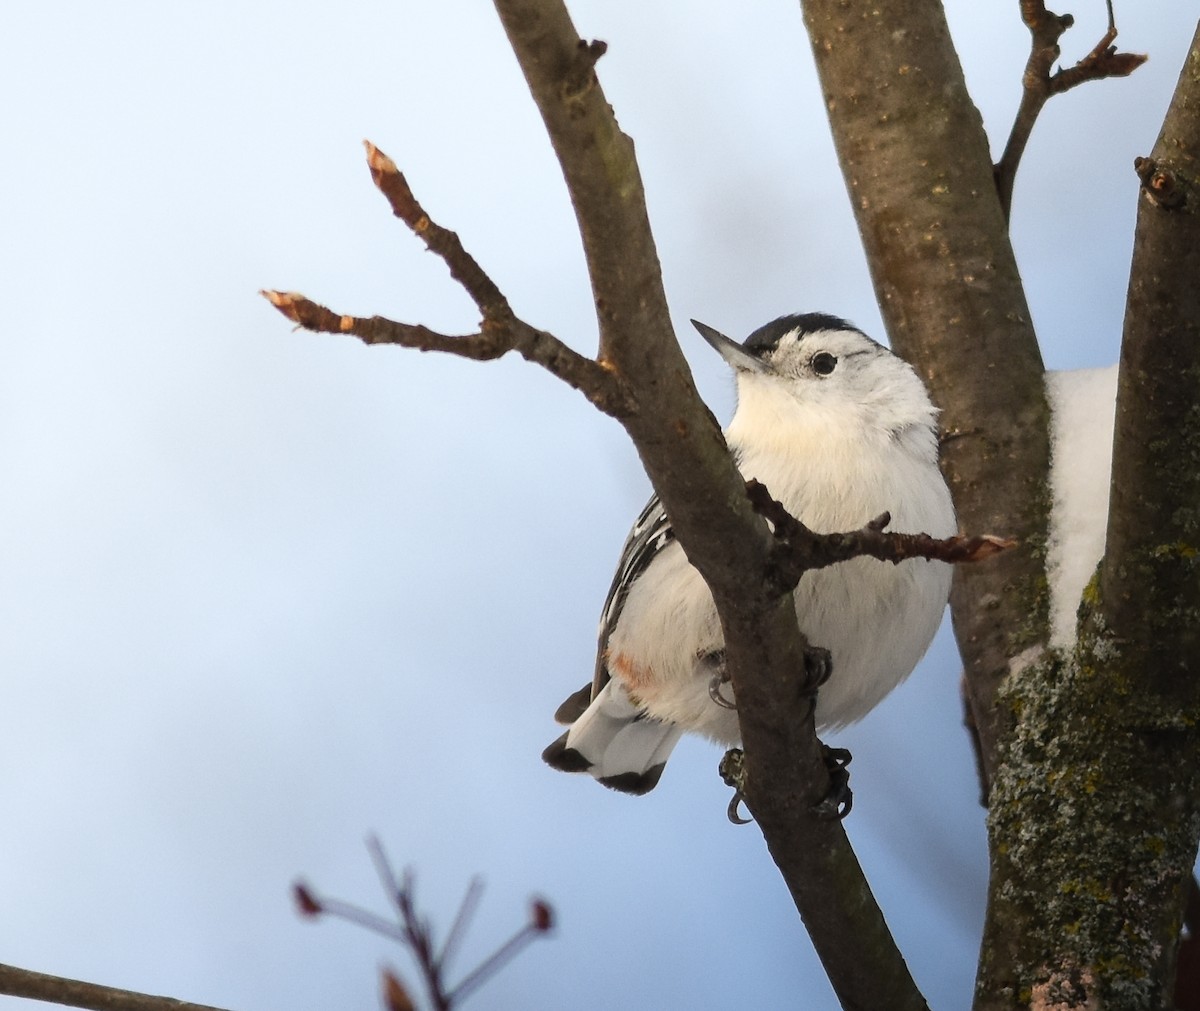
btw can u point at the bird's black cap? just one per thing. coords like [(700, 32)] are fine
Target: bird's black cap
[(766, 337)]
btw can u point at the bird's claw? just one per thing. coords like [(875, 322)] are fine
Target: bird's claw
[(818, 665), (840, 799), (731, 812), (719, 678), (733, 770)]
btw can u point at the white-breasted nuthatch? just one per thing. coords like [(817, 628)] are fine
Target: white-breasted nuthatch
[(839, 430)]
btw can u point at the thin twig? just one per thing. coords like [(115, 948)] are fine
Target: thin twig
[(310, 905), (15, 982), (416, 933), (392, 886), (466, 910), (798, 549), (494, 962), (464, 268), (1039, 83), (500, 331)]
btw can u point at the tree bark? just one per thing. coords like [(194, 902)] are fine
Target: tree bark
[(1094, 819), (916, 163), (1151, 581), (1098, 800)]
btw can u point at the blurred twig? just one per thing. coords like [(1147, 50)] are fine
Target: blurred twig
[(416, 933)]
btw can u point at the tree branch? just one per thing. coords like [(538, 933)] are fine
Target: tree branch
[(690, 467), (1038, 83), (643, 378), (415, 932), (1150, 584), (800, 550), (1097, 809), (949, 290), (444, 243), (495, 339), (16, 982)]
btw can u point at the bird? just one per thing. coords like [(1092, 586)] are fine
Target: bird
[(840, 430)]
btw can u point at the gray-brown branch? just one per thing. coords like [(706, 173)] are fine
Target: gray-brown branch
[(919, 172), (690, 467), (641, 377), (799, 549)]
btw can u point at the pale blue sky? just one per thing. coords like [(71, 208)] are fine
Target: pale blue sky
[(264, 592)]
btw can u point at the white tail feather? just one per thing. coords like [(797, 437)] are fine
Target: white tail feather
[(624, 751)]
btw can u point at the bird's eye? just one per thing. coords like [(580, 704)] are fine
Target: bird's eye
[(823, 363)]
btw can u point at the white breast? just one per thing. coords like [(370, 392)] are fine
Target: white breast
[(875, 618)]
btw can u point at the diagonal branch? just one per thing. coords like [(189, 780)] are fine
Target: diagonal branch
[(695, 477), (446, 244), (642, 377), (15, 982), (1039, 83)]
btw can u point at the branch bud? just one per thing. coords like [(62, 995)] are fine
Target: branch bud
[(306, 903), (395, 995), (542, 916)]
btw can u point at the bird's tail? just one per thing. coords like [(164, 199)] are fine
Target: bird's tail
[(615, 742)]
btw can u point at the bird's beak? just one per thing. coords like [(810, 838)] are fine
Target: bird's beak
[(730, 350)]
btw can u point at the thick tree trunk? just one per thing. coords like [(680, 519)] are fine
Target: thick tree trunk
[(1098, 800), (916, 163), (1094, 756)]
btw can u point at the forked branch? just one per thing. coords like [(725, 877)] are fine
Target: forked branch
[(1041, 81), (500, 331), (414, 932)]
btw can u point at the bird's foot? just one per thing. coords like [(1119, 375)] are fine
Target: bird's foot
[(733, 772), (835, 805), (840, 798)]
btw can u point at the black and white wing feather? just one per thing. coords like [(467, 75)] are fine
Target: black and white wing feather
[(651, 533), (611, 736)]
